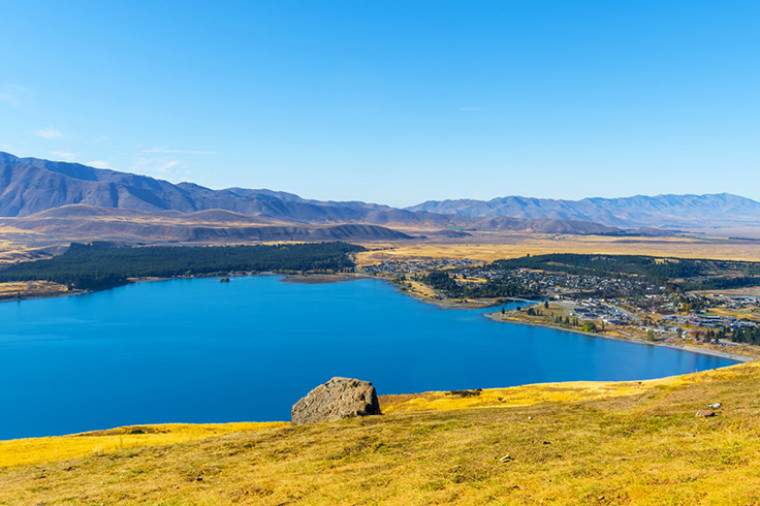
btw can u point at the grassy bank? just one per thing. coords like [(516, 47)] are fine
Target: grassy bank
[(31, 289), (571, 443)]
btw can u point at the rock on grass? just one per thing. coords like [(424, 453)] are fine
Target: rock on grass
[(338, 398)]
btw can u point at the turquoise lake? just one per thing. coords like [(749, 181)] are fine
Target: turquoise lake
[(196, 350)]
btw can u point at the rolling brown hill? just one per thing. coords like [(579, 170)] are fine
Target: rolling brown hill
[(31, 185), (63, 200), (84, 223)]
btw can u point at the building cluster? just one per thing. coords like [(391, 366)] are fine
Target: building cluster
[(708, 321), (417, 267), (595, 309), (736, 301), (562, 285)]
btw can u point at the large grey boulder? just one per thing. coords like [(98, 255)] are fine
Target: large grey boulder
[(336, 399)]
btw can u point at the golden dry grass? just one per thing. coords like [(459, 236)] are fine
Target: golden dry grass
[(526, 395), (13, 289), (751, 291), (49, 449), (490, 247), (748, 313), (12, 252), (421, 289), (634, 443), (540, 393)]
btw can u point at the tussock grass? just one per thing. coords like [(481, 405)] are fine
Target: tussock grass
[(13, 252), (495, 246), (527, 395), (48, 449), (573, 443), (12, 289)]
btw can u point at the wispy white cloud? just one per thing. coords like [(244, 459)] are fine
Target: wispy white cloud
[(164, 168), (12, 94), (64, 155), (49, 133), (99, 164), (471, 108), (102, 138), (164, 150)]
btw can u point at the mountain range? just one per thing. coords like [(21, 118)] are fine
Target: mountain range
[(638, 211), (30, 185), (71, 200)]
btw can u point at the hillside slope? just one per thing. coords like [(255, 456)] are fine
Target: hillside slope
[(581, 443), (78, 222), (31, 186)]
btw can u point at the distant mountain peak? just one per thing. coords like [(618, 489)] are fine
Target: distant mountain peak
[(635, 211)]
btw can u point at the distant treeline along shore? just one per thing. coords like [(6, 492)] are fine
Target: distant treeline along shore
[(100, 265)]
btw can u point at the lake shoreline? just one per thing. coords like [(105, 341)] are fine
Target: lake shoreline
[(440, 303), (256, 328), (289, 278), (51, 295), (450, 304), (684, 347)]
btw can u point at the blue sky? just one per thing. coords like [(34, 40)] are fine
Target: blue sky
[(392, 102)]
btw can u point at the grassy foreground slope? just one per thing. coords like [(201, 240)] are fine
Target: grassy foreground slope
[(573, 443)]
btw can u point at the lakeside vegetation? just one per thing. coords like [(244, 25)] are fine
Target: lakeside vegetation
[(100, 265), (502, 287)]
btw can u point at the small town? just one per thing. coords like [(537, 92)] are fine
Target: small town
[(614, 304)]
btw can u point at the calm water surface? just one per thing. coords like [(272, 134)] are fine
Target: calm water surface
[(203, 351)]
